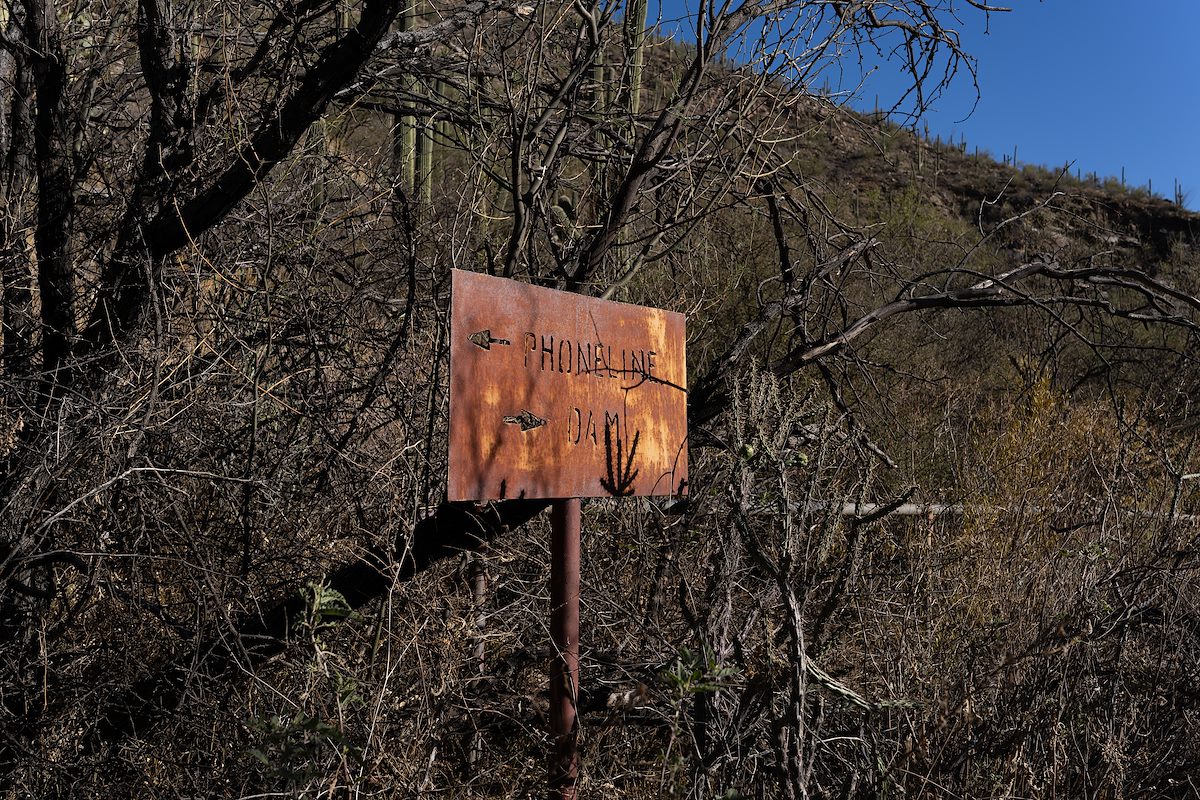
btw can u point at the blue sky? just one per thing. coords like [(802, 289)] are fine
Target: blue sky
[(1104, 83)]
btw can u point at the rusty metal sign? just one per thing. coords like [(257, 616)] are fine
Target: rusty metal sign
[(556, 395)]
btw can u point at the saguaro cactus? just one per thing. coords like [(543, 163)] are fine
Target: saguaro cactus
[(404, 136), (423, 177), (635, 42), (430, 131)]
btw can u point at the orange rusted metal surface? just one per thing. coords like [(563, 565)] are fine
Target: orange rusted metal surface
[(556, 395)]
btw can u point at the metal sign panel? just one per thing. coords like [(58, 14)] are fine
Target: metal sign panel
[(556, 395)]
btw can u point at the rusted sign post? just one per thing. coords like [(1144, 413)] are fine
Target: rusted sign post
[(560, 396), (564, 634)]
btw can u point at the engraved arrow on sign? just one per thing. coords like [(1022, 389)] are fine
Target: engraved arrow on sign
[(484, 339), (526, 419)]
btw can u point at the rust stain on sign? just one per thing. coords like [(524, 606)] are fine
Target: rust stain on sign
[(555, 394)]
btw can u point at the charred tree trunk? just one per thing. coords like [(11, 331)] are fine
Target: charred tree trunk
[(55, 195), (16, 136)]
